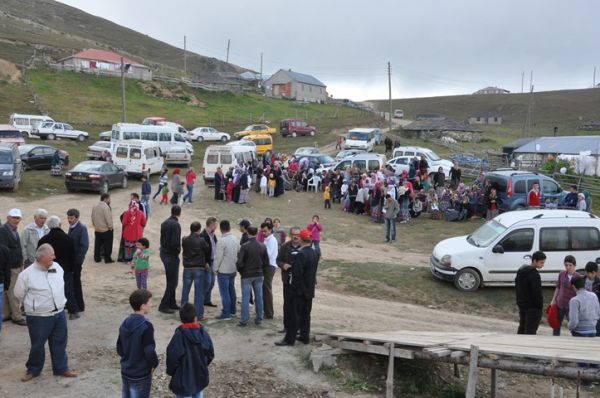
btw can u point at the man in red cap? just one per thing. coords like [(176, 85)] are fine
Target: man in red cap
[(303, 281)]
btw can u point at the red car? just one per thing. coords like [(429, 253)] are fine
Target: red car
[(296, 127)]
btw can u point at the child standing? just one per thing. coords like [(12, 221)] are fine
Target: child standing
[(189, 353), (272, 183), (165, 194), (137, 348), (315, 229), (140, 264), (263, 185), (229, 190), (327, 197)]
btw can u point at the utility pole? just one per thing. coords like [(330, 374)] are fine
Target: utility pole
[(228, 43), (184, 57), (594, 82), (390, 93), (522, 81), (531, 81), (123, 115), (529, 121), (261, 70)]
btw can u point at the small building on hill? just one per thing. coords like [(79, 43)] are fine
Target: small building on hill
[(509, 148), (485, 118), (492, 90), (105, 62), (294, 85), (440, 127), (592, 125)]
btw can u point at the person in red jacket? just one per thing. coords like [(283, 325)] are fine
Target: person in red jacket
[(134, 222), (535, 196), (190, 180)]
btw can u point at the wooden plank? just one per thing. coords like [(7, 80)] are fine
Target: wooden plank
[(494, 384), (389, 383), (472, 380), (371, 349)]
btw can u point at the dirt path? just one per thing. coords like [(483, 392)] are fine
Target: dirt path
[(249, 350)]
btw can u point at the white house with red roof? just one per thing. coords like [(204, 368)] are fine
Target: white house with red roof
[(105, 62)]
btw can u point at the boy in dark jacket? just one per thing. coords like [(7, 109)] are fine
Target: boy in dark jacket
[(530, 299), (592, 284), (189, 353), (137, 348)]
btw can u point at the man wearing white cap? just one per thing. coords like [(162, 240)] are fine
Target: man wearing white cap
[(9, 237)]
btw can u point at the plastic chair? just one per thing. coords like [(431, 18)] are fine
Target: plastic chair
[(314, 182)]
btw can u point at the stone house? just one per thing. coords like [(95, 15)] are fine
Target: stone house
[(105, 62), (442, 127), (485, 118), (294, 85)]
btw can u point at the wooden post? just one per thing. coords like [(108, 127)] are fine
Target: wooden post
[(494, 384), (456, 371), (389, 383), (472, 379)]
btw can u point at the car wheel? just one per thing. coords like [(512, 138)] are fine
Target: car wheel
[(124, 182), (81, 137), (312, 133), (104, 187), (25, 135), (467, 280), (199, 139), (24, 166), (294, 135), (51, 136), (223, 139)]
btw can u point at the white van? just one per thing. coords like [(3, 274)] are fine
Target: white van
[(361, 138), (225, 156), (362, 161), (166, 137), (433, 160), (492, 254), (138, 157), (26, 123)]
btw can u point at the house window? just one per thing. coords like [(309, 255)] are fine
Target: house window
[(478, 119), (303, 87), (310, 89), (495, 119)]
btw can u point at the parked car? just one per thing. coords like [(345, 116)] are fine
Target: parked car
[(54, 130), (296, 127), (318, 161), (263, 142), (513, 187), (398, 114), (178, 156), (465, 159), (40, 156), (154, 121), (207, 134), (433, 160), (138, 158), (306, 150), (10, 166), (255, 129), (362, 138), (348, 152), (105, 135), (363, 162), (400, 164), (95, 175), (26, 123), (11, 135), (94, 151), (242, 143), (493, 253)]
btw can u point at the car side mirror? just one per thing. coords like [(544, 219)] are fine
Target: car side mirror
[(498, 249)]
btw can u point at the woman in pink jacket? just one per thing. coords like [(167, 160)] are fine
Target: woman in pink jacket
[(315, 229), (134, 222)]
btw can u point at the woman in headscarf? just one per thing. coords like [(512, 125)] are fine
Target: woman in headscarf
[(279, 188), (237, 173), (219, 184), (56, 165), (176, 186), (134, 222)]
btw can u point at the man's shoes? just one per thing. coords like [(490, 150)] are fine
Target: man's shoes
[(97, 260), (68, 373), (27, 376), (258, 323), (282, 343), (268, 317), (166, 310), (223, 318), (282, 331), (302, 340), (109, 261), (386, 241), (203, 319), (20, 322), (74, 316), (209, 305), (175, 307), (242, 325)]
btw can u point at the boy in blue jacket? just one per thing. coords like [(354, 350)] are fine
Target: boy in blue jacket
[(189, 353), (137, 348)]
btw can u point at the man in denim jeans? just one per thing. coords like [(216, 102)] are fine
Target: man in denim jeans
[(390, 211), (251, 260), (195, 265), (211, 240), (224, 267)]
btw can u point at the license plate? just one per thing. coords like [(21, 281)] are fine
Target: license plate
[(79, 178)]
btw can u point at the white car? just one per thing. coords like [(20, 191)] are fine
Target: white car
[(94, 151), (306, 150), (54, 130), (207, 134), (106, 135), (343, 154), (400, 164), (178, 155)]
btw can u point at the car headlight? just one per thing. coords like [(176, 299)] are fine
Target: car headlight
[(7, 173), (446, 260)]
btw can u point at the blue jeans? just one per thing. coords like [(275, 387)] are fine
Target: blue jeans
[(197, 395), (137, 388), (209, 283), (171, 264), (188, 195), (317, 247), (52, 329), (146, 202), (1, 302), (197, 276), (227, 290), (390, 228), (249, 285)]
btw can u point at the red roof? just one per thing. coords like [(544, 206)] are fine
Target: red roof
[(101, 55)]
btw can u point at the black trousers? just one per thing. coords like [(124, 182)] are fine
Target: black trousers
[(529, 320), (171, 264), (287, 305), (71, 304), (77, 290), (300, 320), (103, 245)]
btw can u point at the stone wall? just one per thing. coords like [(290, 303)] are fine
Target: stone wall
[(461, 136)]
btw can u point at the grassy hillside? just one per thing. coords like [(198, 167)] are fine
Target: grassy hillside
[(564, 109), (56, 30)]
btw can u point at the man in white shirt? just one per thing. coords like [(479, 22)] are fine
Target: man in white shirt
[(32, 234), (41, 289), (268, 272), (225, 270)]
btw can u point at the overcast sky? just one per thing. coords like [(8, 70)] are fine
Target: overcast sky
[(436, 47)]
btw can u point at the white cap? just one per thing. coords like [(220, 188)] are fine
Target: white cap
[(15, 213)]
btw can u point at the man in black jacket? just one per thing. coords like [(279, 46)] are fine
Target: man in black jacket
[(79, 234), (9, 237), (170, 246), (211, 240), (251, 260), (4, 276), (285, 259), (530, 299), (303, 282), (196, 253)]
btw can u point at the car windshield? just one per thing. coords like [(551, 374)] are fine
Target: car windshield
[(6, 157), (326, 159), (486, 234), (10, 134), (48, 124), (353, 135), (23, 149), (85, 167), (433, 156), (249, 128)]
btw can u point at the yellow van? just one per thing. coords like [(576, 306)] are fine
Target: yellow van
[(263, 142)]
